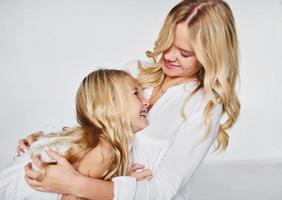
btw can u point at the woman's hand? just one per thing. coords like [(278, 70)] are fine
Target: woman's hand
[(59, 177), (24, 143), (137, 170)]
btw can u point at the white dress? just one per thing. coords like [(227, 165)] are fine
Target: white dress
[(170, 146), (12, 182)]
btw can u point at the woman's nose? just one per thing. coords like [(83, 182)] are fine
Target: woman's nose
[(170, 55)]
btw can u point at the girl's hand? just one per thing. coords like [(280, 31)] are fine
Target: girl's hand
[(24, 143), (137, 170), (59, 177)]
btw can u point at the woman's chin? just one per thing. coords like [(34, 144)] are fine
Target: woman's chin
[(171, 72)]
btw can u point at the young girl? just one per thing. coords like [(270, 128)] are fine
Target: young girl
[(109, 107)]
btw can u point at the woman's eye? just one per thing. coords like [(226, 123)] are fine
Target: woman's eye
[(136, 93), (185, 55)]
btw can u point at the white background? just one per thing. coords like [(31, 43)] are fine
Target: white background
[(47, 47)]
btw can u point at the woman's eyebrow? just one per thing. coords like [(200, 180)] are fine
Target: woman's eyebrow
[(186, 51)]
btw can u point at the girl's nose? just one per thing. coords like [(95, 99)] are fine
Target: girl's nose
[(145, 101)]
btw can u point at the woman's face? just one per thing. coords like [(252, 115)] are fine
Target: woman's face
[(139, 106), (180, 59)]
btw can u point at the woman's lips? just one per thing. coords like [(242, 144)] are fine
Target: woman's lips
[(169, 65)]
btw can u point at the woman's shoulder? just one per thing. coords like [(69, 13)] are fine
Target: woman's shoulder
[(196, 105)]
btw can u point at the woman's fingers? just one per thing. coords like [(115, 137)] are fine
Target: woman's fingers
[(136, 166), (145, 174), (148, 178), (37, 161), (137, 170), (20, 151), (29, 173), (22, 146), (33, 137), (24, 143), (35, 184), (57, 157)]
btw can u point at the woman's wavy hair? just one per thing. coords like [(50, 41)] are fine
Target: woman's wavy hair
[(213, 36), (102, 102)]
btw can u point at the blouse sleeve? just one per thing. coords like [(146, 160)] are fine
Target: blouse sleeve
[(178, 165), (131, 67)]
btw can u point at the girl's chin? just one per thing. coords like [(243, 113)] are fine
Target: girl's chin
[(140, 126)]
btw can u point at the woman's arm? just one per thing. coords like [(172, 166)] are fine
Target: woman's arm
[(63, 178)]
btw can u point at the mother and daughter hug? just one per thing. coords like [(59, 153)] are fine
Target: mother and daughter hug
[(141, 132)]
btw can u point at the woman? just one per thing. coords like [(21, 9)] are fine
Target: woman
[(191, 88), (109, 108)]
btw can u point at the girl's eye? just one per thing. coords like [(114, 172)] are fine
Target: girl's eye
[(136, 93)]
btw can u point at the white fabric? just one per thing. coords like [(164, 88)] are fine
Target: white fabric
[(170, 146), (12, 182)]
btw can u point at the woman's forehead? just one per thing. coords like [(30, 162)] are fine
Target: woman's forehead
[(182, 38)]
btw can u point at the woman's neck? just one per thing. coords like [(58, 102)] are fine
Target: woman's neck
[(167, 83)]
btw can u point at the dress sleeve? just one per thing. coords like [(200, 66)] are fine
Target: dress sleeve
[(178, 165)]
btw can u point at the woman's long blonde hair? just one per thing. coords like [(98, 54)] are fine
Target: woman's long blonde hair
[(213, 36), (102, 102)]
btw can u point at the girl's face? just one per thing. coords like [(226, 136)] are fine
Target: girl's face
[(180, 59), (139, 106)]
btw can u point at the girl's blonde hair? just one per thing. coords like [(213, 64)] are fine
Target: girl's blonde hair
[(213, 36), (102, 102)]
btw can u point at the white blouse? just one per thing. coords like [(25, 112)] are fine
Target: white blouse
[(170, 146)]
